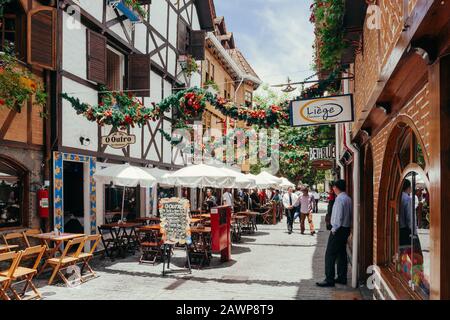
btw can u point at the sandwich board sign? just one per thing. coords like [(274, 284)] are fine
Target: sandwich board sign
[(322, 111)]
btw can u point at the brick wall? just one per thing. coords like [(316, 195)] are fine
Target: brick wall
[(418, 110)]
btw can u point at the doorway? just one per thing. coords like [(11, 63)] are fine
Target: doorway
[(73, 191)]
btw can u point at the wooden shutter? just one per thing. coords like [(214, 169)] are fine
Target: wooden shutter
[(96, 57), (41, 42), (183, 37), (139, 74), (197, 44)]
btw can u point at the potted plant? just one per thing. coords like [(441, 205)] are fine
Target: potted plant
[(188, 65), (17, 84)]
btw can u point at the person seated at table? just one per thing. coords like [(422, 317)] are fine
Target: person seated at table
[(276, 196), (210, 201), (255, 203), (227, 198), (262, 196)]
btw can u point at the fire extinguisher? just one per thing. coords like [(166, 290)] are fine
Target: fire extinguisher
[(43, 203)]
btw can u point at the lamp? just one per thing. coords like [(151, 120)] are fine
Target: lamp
[(85, 141)]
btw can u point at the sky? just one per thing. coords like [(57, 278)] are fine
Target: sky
[(275, 36)]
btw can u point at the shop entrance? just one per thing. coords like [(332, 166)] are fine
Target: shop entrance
[(73, 197)]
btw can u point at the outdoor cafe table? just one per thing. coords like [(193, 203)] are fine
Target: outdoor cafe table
[(57, 240), (120, 232), (252, 215), (148, 220), (5, 248)]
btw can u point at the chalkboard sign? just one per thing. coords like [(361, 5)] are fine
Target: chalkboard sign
[(175, 220)]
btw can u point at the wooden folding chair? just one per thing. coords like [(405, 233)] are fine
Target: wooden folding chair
[(150, 243), (267, 216), (6, 277), (15, 239), (64, 261), (25, 275), (30, 241), (86, 257)]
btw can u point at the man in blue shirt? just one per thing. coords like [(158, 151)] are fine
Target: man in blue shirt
[(341, 222)]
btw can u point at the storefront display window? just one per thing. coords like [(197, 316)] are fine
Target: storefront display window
[(409, 214), (113, 203), (11, 195)]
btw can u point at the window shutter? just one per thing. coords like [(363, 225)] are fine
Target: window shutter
[(41, 42), (139, 74), (96, 57), (197, 45), (183, 37)]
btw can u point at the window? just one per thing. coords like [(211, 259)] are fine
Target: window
[(228, 89), (248, 97), (207, 73), (408, 221), (12, 182), (13, 30), (115, 70), (113, 203)]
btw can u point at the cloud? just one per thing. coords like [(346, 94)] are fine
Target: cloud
[(274, 35)]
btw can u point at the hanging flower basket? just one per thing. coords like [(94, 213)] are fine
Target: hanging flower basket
[(17, 84)]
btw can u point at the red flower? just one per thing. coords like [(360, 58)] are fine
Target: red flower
[(2, 101), (128, 120), (108, 113)]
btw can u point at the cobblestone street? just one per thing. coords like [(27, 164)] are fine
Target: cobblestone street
[(269, 265)]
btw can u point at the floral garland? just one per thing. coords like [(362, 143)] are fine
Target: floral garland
[(117, 109), (327, 16), (17, 84), (124, 110)]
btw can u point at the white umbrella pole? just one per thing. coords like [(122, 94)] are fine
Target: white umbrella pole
[(123, 202)]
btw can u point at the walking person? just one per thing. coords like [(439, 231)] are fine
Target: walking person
[(341, 221), (306, 205), (289, 200), (316, 196)]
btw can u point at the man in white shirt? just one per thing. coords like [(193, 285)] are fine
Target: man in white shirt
[(289, 200), (316, 196), (227, 198)]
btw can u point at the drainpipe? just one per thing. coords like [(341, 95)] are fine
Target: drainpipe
[(338, 150), (356, 205)]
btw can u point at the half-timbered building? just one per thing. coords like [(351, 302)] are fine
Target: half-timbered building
[(27, 28), (101, 46)]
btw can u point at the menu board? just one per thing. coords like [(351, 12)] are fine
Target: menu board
[(175, 220)]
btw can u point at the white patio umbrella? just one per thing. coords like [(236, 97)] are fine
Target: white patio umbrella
[(200, 176), (266, 175), (124, 176), (242, 181), (286, 184), (263, 182), (159, 176)]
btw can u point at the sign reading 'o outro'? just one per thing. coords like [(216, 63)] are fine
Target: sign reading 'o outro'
[(322, 111)]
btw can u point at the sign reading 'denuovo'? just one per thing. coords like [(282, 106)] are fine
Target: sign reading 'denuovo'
[(322, 111), (326, 153), (119, 140)]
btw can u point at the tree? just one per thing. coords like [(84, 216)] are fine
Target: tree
[(295, 143)]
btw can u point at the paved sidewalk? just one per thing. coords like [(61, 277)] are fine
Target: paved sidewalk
[(269, 265)]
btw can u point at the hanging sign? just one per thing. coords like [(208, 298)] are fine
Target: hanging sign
[(119, 140), (175, 220), (322, 111), (326, 153)]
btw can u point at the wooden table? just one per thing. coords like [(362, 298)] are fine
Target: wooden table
[(197, 220), (252, 215), (57, 240), (206, 216), (6, 248), (130, 239), (148, 220)]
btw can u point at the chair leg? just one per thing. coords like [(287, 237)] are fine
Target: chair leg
[(15, 294), (55, 272), (30, 283), (3, 294)]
